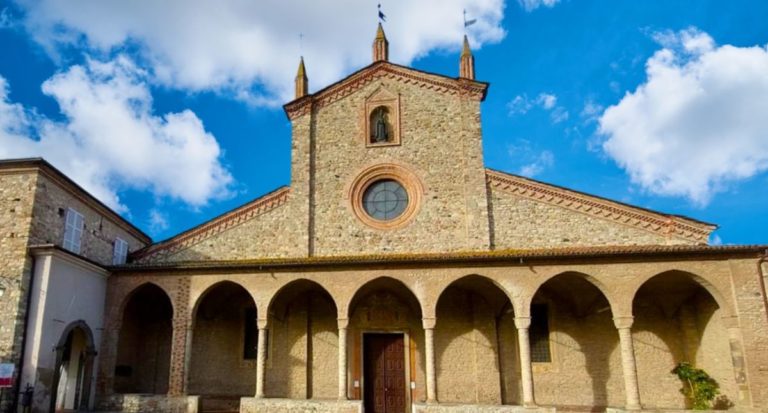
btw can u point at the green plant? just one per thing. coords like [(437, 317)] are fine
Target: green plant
[(698, 387)]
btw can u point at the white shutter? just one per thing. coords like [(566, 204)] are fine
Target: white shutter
[(73, 230), (120, 252)]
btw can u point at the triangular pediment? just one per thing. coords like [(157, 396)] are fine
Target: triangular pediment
[(385, 70)]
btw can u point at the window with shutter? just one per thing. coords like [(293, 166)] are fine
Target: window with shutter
[(120, 252), (73, 231)]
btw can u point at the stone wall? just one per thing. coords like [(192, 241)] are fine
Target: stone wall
[(100, 229), (523, 223), (253, 405), (17, 192)]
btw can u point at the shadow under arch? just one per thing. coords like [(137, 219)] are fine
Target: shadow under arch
[(144, 341), (303, 330), (146, 284), (570, 275), (386, 283), (679, 318), (476, 316), (75, 352), (572, 335), (223, 345)]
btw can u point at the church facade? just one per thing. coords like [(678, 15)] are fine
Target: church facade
[(396, 273)]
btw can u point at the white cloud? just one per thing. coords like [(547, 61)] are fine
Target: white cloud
[(521, 104), (533, 162), (530, 5), (251, 48), (111, 140), (698, 122), (157, 221)]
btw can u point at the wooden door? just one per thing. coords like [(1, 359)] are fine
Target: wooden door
[(384, 373)]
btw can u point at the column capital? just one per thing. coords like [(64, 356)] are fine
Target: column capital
[(429, 323), (522, 322), (262, 323), (342, 322), (623, 322)]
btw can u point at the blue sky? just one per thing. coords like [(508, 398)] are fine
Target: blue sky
[(171, 113)]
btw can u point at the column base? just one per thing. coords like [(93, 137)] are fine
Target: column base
[(254, 405), (479, 408)]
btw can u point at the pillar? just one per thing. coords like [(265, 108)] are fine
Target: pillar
[(343, 322), (631, 389), (524, 344), (261, 358), (429, 353), (179, 358), (731, 323)]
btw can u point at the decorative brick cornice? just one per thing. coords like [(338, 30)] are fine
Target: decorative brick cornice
[(215, 226), (669, 226), (385, 70)]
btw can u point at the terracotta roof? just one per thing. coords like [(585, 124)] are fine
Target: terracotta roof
[(216, 225), (663, 224), (40, 164), (509, 257), (384, 69)]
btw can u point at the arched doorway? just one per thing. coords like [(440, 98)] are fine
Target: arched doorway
[(73, 372), (678, 320), (386, 331), (575, 353), (223, 354), (144, 345), (476, 344), (302, 360)]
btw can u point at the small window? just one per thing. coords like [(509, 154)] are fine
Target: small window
[(73, 231), (539, 334), (120, 252), (251, 335)]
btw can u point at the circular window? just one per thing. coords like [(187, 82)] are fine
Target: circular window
[(385, 196), (385, 200)]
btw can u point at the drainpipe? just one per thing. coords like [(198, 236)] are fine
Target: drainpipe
[(761, 277), (17, 385)]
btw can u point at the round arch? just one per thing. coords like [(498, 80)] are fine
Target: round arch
[(83, 367), (147, 284), (709, 287), (475, 279), (211, 287), (381, 283), (525, 302), (296, 287)]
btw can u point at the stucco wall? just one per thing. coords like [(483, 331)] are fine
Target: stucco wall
[(65, 290)]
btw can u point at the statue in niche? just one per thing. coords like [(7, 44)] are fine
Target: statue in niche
[(380, 125)]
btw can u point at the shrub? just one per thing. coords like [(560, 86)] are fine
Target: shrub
[(698, 387)]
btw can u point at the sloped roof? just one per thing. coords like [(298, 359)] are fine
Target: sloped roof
[(654, 221), (383, 69)]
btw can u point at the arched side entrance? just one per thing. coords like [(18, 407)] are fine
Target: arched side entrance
[(73, 372), (575, 351), (144, 344), (302, 356), (223, 352), (678, 320), (386, 336), (475, 344)]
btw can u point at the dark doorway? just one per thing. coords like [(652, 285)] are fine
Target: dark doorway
[(384, 373)]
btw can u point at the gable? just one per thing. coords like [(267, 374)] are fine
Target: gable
[(530, 214)]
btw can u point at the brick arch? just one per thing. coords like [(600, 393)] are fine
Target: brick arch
[(127, 298), (720, 299), (292, 283), (198, 299), (525, 300), (346, 310), (440, 291)]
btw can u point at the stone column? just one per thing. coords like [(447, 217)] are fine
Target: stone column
[(522, 324), (631, 389), (343, 322), (429, 353), (261, 358), (178, 357)]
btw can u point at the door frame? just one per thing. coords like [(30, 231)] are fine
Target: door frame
[(407, 367)]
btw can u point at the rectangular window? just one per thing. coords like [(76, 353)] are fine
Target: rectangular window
[(73, 231), (539, 334), (120, 253), (251, 335)]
